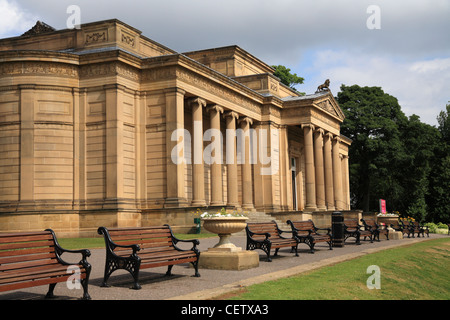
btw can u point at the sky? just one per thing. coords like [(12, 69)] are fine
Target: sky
[(402, 46)]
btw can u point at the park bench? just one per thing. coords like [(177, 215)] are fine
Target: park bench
[(267, 236), (371, 224), (306, 232), (353, 229), (30, 259), (400, 226), (133, 249), (416, 227)]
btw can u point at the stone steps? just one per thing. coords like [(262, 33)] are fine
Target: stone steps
[(256, 216)]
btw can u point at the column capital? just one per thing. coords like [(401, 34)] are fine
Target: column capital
[(197, 100), (328, 135), (308, 125), (319, 131), (246, 120), (337, 139), (231, 114), (214, 107)]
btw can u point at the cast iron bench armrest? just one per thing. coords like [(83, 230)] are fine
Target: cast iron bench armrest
[(111, 245), (175, 240), (259, 234), (284, 231), (328, 229), (60, 250)]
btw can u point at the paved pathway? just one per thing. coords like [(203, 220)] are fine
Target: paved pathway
[(212, 283)]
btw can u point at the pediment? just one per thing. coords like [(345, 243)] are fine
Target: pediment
[(330, 106)]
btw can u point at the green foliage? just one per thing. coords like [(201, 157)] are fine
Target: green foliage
[(394, 157), (286, 77), (433, 227)]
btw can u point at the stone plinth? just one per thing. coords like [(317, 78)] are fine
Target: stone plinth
[(228, 259), (395, 235)]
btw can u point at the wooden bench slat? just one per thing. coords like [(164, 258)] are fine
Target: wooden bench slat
[(29, 259), (13, 238), (19, 252), (23, 258), (353, 229), (23, 245), (156, 249), (256, 238)]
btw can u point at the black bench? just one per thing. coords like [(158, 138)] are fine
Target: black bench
[(377, 229), (267, 236), (353, 229), (418, 228), (306, 232), (402, 227), (133, 249), (30, 259)]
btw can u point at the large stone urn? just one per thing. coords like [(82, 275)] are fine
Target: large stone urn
[(225, 255), (224, 227)]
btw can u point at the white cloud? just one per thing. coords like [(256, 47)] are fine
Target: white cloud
[(13, 19), (421, 87), (407, 57)]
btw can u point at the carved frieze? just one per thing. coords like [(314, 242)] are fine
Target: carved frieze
[(38, 67), (110, 69), (219, 90), (128, 39), (96, 37)]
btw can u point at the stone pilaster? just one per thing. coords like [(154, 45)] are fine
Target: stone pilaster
[(175, 163)]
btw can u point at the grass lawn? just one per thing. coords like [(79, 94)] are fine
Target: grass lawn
[(419, 271)]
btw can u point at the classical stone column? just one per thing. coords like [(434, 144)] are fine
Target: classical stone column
[(175, 163), (337, 175), (320, 178), (247, 184), (198, 174), (231, 160), (216, 165), (345, 181), (328, 164), (310, 179)]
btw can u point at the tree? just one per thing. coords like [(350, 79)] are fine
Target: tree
[(287, 78), (421, 142), (373, 119), (440, 173)]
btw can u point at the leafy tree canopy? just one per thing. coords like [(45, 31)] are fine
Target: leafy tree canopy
[(394, 157), (286, 77)]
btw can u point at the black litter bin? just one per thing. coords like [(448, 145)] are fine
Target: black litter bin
[(337, 224)]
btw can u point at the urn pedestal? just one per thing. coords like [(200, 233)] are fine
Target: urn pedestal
[(225, 255)]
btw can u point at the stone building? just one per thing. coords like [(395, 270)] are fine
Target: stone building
[(102, 126)]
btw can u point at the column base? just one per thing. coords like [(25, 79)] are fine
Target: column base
[(175, 202), (310, 209), (198, 203), (228, 259)]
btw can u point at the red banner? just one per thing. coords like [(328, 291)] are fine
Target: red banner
[(382, 206)]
